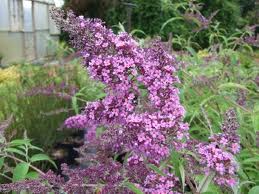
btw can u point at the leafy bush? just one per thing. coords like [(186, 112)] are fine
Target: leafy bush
[(213, 82), (40, 100), (18, 157)]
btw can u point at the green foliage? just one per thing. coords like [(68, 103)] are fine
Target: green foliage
[(41, 114), (210, 84), (229, 12), (148, 16), (18, 160), (133, 188), (164, 17), (254, 190), (60, 50), (167, 16)]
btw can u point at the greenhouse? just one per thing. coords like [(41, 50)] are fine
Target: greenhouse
[(25, 28)]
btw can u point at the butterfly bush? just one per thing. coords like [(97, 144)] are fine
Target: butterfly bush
[(148, 130), (217, 156), (142, 117)]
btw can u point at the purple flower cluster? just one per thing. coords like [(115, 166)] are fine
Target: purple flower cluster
[(219, 161), (241, 97), (157, 184), (80, 181), (62, 91), (142, 117), (142, 113), (202, 21), (34, 186), (218, 155), (252, 40)]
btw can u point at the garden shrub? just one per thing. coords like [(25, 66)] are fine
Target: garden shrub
[(19, 158), (143, 124), (211, 83)]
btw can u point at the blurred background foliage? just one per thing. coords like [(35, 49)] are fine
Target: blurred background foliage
[(211, 83), (149, 15), (40, 99)]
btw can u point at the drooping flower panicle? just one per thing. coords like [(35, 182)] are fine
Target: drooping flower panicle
[(147, 126)]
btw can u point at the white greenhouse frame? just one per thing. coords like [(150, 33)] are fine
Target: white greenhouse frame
[(25, 28)]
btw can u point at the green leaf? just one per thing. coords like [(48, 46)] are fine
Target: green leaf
[(156, 169), (23, 147), (75, 105), (234, 85), (169, 21), (255, 117), (133, 188), (18, 142), (20, 171), (191, 51), (32, 175), (213, 188), (182, 172), (42, 157), (254, 190), (137, 31), (121, 27), (251, 160), (36, 148), (246, 183), (203, 102), (192, 154), (204, 184), (100, 95), (14, 150), (1, 162)]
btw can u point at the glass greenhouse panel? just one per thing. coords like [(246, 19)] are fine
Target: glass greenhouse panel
[(29, 46), (15, 45), (15, 15), (41, 16), (27, 15), (4, 15), (42, 43)]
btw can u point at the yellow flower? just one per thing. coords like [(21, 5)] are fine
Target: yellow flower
[(203, 53), (9, 75)]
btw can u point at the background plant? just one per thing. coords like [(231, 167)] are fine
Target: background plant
[(53, 100), (165, 17), (213, 82), (19, 159)]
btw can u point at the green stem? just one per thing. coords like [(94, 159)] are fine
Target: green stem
[(5, 176), (205, 182), (19, 160)]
